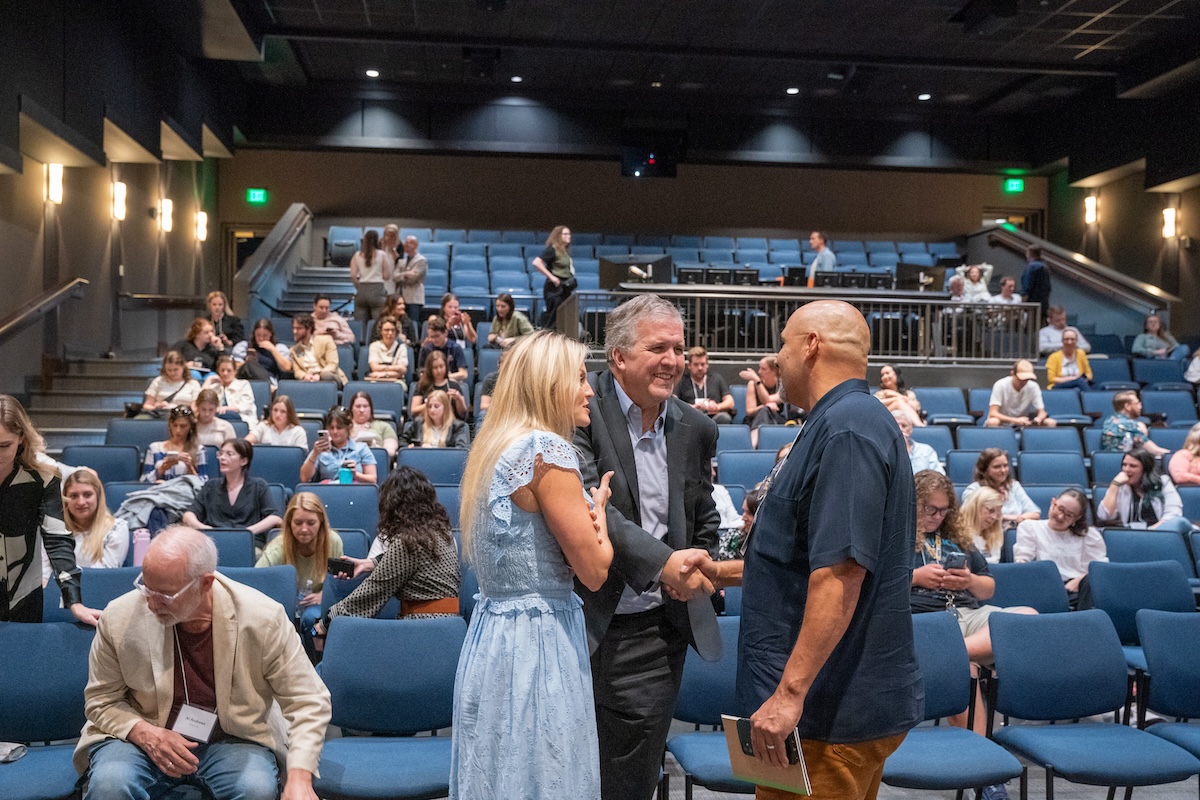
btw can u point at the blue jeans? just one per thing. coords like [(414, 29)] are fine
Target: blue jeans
[(230, 770), (1081, 383), (309, 616)]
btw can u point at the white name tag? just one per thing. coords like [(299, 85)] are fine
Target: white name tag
[(194, 723)]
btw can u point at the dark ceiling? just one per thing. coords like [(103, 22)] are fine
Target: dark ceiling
[(985, 56)]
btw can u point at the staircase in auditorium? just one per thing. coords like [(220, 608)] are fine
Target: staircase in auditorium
[(308, 281), (83, 395)]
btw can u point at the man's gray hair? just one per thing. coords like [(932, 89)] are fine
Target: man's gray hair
[(620, 331), (196, 549)]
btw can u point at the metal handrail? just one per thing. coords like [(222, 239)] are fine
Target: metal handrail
[(40, 306), (1143, 297), (268, 261)]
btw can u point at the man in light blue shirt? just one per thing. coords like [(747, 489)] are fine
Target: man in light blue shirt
[(920, 454), (825, 261)]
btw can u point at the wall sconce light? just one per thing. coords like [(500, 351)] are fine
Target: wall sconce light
[(1168, 229), (1090, 204), (54, 183), (166, 215), (201, 226), (120, 191)]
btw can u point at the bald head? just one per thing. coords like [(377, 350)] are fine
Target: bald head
[(825, 343), (182, 551)]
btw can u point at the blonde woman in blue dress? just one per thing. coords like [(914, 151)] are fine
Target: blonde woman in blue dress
[(524, 719)]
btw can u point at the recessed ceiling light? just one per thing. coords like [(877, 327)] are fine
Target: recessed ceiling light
[(372, 73), (516, 79), (656, 84), (925, 96), (793, 90)]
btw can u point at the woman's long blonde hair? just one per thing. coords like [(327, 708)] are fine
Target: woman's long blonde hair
[(972, 512), (307, 501), (536, 390), (436, 435), (16, 421), (92, 543)]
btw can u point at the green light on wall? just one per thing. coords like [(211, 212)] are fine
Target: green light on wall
[(256, 197), (1014, 185)]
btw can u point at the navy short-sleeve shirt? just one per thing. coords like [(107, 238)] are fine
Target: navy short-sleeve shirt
[(845, 492)]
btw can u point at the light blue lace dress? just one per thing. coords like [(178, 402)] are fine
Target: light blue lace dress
[(524, 721)]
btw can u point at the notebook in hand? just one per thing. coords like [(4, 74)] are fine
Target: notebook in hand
[(792, 778)]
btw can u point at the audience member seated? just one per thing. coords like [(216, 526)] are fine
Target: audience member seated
[(706, 392), (489, 385), (235, 500), (235, 397), (509, 324), (281, 428), (730, 527), (1192, 373), (763, 404), (1050, 337), (1155, 341), (734, 547), (920, 454), (992, 470), (173, 386), (982, 515), (242, 661), (330, 323), (1066, 538), (306, 542), (226, 327), (314, 356), (436, 426), (368, 430), (1123, 431), (1139, 496), (396, 307), (101, 540), (949, 574), (439, 342), (958, 292), (459, 327), (1068, 368), (179, 455), (894, 394), (976, 278), (418, 564), (210, 430), (263, 358), (199, 348), (1017, 400), (1008, 293), (335, 449), (1184, 468), (433, 376), (387, 356)]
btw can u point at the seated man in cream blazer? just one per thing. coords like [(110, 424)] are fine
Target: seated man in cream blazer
[(314, 355), (245, 701)]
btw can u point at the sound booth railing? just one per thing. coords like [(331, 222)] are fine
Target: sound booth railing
[(907, 327)]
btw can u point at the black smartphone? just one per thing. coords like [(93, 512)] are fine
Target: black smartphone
[(956, 561), (342, 567), (791, 743)]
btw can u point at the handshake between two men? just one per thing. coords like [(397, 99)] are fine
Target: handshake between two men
[(693, 572)]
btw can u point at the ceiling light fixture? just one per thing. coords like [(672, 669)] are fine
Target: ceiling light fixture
[(516, 79), (793, 90), (656, 84), (372, 73), (924, 96)]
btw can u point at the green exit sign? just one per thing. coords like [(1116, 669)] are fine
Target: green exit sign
[(256, 197), (1014, 185)]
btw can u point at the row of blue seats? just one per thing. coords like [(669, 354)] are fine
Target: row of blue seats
[(1175, 402), (943, 439), (353, 235)]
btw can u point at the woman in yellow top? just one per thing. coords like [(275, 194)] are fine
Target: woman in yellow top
[(1068, 368)]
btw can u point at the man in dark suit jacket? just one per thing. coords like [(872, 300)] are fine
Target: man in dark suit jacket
[(648, 611)]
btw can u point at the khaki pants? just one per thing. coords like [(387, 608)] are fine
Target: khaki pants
[(841, 771)]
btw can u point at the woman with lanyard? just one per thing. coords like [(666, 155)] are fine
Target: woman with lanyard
[(337, 457), (950, 575), (387, 357), (31, 519), (555, 264)]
